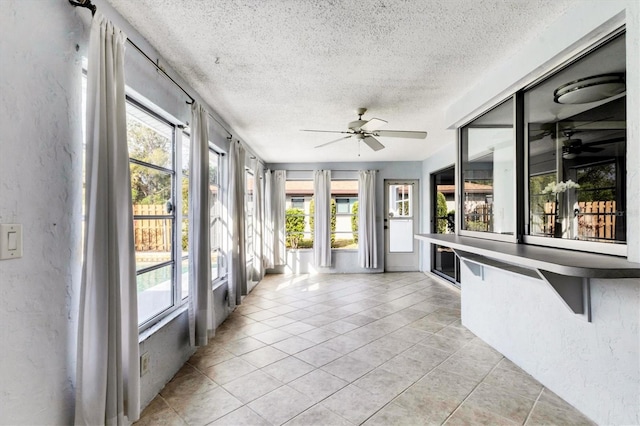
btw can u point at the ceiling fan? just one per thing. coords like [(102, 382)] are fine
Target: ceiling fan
[(571, 148), (365, 130)]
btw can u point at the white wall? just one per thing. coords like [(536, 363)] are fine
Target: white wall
[(594, 366), (41, 50), (40, 187)]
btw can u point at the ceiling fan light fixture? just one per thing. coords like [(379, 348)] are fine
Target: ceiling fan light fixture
[(590, 89)]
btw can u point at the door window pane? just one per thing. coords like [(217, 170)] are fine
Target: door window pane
[(488, 172)]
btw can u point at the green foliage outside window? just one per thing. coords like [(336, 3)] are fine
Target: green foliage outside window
[(354, 221), (294, 226), (441, 213)]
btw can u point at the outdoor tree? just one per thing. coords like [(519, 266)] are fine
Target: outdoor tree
[(294, 226), (441, 213), (354, 221)]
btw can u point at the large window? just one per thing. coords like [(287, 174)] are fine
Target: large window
[(184, 238), (151, 150), (344, 214), (299, 209), (249, 207), (215, 216), (488, 172), (576, 153)]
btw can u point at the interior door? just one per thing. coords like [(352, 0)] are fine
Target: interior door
[(400, 224)]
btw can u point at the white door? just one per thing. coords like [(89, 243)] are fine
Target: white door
[(400, 224)]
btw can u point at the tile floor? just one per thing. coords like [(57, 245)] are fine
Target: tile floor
[(383, 349)]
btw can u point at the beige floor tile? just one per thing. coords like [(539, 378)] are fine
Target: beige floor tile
[(318, 356), (293, 344), (342, 344), (203, 408), (348, 368), (409, 334), (272, 336), (318, 384), (253, 329), (410, 368), (281, 405), (318, 415), (264, 356), (395, 415), (383, 383), (495, 400), (229, 370), (242, 346), (466, 415), (288, 369), (318, 335), (158, 413), (373, 354), (340, 326), (279, 321), (354, 404), (243, 416), (456, 333), (252, 386), (509, 380), (425, 324), (545, 413), (297, 328), (443, 343), (189, 383), (208, 356)]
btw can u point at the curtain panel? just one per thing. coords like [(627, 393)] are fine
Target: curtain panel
[(279, 211), (269, 255), (367, 243), (237, 185), (322, 218), (258, 229), (108, 372), (201, 323)]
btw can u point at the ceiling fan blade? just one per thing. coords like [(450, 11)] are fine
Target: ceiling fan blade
[(322, 131), (401, 134), (334, 141), (604, 142), (373, 143), (373, 125)]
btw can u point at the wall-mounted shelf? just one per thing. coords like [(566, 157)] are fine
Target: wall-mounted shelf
[(567, 272)]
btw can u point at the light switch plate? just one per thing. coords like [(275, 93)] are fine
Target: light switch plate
[(10, 241)]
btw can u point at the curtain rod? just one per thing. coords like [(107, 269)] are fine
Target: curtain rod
[(88, 5)]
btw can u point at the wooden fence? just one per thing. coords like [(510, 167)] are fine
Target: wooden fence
[(151, 235), (596, 220)]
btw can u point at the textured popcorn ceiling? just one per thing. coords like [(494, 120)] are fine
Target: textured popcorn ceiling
[(270, 68)]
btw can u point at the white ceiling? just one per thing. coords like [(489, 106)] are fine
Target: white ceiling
[(272, 67)]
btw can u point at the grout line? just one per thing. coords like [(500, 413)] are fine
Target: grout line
[(533, 406)]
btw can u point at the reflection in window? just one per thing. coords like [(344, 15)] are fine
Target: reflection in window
[(583, 143), (488, 172)]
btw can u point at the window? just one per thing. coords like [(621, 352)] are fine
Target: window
[(152, 167), (488, 173), (299, 211), (184, 240), (400, 199), (215, 216), (249, 217), (577, 159), (344, 214)]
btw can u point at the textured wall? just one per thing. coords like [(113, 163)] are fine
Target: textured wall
[(40, 187), (593, 366)]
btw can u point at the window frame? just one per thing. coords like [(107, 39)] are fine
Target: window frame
[(177, 301), (521, 162)]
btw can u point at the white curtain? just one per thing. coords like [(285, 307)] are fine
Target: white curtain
[(107, 381), (322, 218), (278, 204), (238, 269), (200, 295), (367, 244), (258, 216), (268, 221)]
